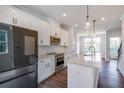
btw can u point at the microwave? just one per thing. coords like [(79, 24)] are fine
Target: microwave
[(55, 40)]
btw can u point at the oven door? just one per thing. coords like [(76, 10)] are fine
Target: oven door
[(59, 62)]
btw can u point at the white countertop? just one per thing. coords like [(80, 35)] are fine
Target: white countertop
[(82, 60)]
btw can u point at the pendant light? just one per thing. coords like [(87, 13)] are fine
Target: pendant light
[(94, 26), (87, 24)]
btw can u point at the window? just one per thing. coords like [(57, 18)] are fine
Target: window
[(95, 42), (3, 42)]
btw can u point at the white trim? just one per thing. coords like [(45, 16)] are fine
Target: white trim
[(6, 41)]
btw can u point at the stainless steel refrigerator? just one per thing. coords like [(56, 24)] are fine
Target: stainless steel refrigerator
[(18, 57)]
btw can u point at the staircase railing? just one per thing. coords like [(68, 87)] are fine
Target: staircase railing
[(120, 51)]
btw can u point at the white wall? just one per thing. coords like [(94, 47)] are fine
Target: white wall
[(121, 62), (102, 36), (109, 34)]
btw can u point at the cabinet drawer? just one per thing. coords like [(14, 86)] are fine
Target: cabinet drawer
[(40, 61), (51, 59)]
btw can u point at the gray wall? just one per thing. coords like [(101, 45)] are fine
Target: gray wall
[(109, 34)]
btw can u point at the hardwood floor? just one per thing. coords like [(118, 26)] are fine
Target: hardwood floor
[(109, 78), (58, 80)]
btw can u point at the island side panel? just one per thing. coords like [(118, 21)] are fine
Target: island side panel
[(80, 76)]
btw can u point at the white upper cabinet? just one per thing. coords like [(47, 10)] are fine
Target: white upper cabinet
[(44, 33), (6, 14), (54, 28), (21, 18), (43, 29), (35, 23), (14, 16), (64, 37)]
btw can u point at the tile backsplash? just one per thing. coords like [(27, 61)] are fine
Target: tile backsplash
[(47, 49)]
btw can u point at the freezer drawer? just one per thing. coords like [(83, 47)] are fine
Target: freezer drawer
[(26, 81)]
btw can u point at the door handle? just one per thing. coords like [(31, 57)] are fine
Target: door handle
[(17, 46), (13, 20), (11, 56), (41, 61), (46, 65), (41, 41)]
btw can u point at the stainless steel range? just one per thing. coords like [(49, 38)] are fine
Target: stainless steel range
[(59, 61)]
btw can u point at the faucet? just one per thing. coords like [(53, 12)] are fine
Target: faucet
[(92, 49)]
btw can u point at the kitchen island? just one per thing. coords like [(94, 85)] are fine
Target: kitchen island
[(83, 73)]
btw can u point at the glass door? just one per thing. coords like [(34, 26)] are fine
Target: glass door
[(114, 46), (90, 43)]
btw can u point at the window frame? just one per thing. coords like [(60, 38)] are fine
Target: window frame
[(91, 42), (6, 41)]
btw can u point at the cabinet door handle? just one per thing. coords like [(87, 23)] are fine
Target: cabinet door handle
[(41, 41), (41, 61), (13, 20), (52, 58), (46, 65), (55, 34)]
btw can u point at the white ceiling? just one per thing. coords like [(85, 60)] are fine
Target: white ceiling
[(76, 14)]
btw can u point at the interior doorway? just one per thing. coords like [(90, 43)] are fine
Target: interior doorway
[(114, 46)]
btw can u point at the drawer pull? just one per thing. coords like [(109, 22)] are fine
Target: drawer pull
[(41, 61)]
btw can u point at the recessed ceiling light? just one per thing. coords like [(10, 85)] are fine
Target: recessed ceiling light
[(64, 14), (76, 25), (103, 18)]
